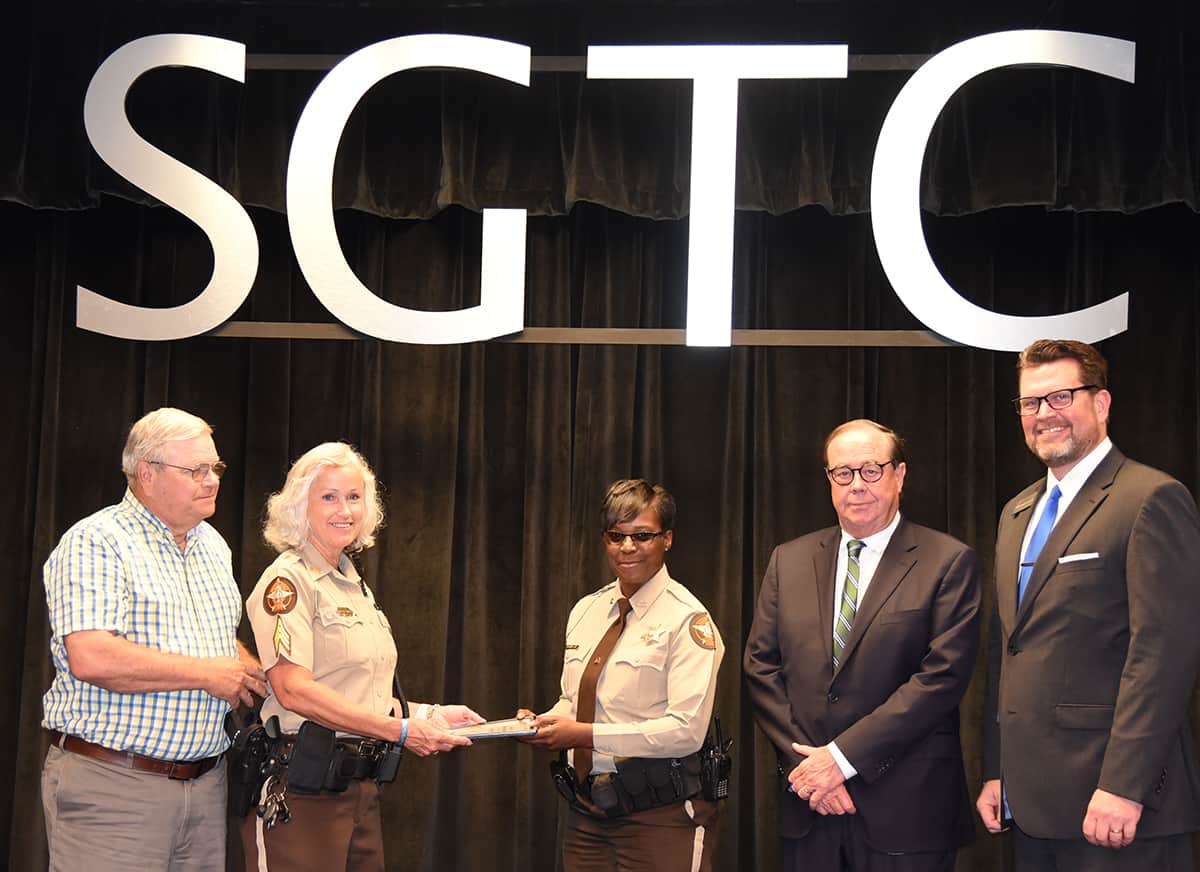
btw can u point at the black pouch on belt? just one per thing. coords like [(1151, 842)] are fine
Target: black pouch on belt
[(314, 751)]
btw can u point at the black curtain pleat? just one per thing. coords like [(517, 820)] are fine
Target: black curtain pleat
[(493, 457)]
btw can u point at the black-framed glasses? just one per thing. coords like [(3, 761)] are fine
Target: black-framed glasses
[(1026, 406), (198, 473), (641, 537), (870, 472)]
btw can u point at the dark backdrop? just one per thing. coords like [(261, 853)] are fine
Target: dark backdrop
[(1045, 191)]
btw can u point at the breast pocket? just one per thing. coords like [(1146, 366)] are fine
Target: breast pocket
[(1083, 564), (337, 637), (638, 676), (573, 664)]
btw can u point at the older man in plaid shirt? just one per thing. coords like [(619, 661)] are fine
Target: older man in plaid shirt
[(143, 612)]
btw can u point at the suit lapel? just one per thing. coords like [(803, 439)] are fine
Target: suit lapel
[(824, 569), (897, 559), (1089, 498), (1008, 552)]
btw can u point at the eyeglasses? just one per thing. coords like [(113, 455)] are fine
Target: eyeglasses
[(641, 537), (198, 473), (1026, 406), (870, 472)]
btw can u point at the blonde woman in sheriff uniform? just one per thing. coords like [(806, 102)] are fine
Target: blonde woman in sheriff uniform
[(330, 658), (638, 683)]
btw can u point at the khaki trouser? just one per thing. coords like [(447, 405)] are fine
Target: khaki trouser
[(102, 817)]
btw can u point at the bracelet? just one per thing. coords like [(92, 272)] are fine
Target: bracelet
[(423, 712), (403, 731)]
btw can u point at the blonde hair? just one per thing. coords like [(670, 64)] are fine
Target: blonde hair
[(287, 511), (150, 434)]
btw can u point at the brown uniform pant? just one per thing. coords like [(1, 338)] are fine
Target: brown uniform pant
[(333, 832), (674, 838)]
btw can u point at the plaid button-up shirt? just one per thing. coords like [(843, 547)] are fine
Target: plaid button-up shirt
[(121, 570)]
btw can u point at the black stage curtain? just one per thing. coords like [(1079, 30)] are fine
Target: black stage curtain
[(494, 456)]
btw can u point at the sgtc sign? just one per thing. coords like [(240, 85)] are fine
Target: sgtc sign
[(715, 71)]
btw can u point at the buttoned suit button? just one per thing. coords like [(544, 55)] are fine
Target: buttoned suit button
[(833, 697), (1013, 650)]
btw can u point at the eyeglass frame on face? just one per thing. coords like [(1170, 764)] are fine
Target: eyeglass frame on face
[(641, 537), (861, 470), (1045, 398), (198, 473)]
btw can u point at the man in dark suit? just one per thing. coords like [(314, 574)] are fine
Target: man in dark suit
[(1093, 647), (862, 646)]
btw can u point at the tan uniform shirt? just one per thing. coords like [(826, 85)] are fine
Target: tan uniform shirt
[(655, 695), (326, 621)]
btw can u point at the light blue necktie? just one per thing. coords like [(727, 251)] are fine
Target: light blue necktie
[(1040, 534)]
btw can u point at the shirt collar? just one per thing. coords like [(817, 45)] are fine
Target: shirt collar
[(1073, 481), (346, 571), (876, 542), (645, 595), (147, 517)]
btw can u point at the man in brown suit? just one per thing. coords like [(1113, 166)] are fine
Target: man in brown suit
[(1093, 648), (863, 642)]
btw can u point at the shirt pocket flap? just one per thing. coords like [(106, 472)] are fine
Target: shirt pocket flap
[(638, 656), (338, 616)]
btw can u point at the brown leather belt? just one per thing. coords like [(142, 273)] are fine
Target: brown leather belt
[(182, 770)]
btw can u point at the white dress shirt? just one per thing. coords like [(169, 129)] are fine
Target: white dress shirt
[(868, 561), (1070, 485)]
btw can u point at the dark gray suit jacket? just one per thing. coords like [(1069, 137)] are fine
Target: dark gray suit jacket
[(892, 705), (1089, 681)]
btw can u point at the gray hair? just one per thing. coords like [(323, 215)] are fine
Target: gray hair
[(150, 434), (867, 424), (287, 511)]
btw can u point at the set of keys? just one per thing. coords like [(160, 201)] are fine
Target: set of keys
[(273, 809)]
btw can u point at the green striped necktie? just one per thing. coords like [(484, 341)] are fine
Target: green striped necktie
[(849, 605)]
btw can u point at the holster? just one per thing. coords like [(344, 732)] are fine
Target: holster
[(250, 748)]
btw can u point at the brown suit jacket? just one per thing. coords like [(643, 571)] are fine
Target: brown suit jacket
[(1089, 680), (892, 705)]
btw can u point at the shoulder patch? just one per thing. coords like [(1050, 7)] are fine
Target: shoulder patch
[(702, 632), (280, 596)]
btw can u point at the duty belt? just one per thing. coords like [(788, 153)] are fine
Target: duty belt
[(637, 785), (359, 758)]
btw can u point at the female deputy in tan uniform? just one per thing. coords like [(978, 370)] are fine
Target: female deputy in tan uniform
[(330, 658), (638, 682)]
